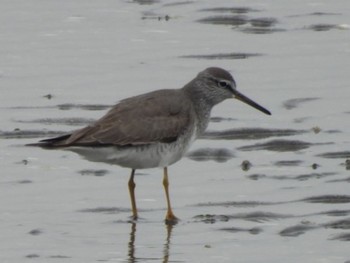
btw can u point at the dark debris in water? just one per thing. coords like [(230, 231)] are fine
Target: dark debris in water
[(35, 232), (328, 199), (334, 155), (93, 172), (223, 56), (253, 231), (246, 165), (249, 134), (294, 103), (204, 154), (256, 177), (278, 146)]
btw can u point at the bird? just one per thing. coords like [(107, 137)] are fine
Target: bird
[(154, 129)]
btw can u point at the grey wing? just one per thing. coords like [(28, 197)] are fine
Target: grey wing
[(139, 120)]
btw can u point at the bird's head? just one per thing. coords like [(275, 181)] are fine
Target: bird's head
[(217, 85)]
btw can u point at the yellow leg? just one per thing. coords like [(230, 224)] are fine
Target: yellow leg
[(132, 186), (170, 217)]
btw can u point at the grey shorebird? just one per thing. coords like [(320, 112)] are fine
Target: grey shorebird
[(153, 129)]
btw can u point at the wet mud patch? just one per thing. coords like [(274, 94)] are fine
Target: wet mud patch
[(28, 134), (249, 134), (297, 230), (256, 177), (93, 172), (234, 10), (345, 180), (303, 177), (263, 22), (223, 56), (258, 217), (335, 155), (278, 146), (150, 15), (238, 204), (328, 199), (92, 107), (289, 163), (342, 237), (306, 226), (106, 210), (262, 25), (335, 213), (325, 27), (253, 231), (261, 30), (178, 3), (32, 256), (339, 224), (205, 154), (294, 103), (59, 257), (24, 182), (145, 2), (66, 106), (316, 14), (233, 20), (64, 121)]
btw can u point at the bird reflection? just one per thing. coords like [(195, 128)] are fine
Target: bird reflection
[(132, 258), (131, 244)]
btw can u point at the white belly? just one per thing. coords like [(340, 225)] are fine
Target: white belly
[(137, 157)]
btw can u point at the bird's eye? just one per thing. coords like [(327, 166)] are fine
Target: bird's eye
[(223, 84)]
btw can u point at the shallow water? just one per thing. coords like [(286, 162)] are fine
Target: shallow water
[(254, 188)]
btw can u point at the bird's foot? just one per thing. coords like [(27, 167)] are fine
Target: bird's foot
[(171, 219)]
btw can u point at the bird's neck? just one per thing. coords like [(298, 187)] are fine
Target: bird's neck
[(202, 105)]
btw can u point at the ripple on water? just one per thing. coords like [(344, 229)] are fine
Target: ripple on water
[(278, 146), (215, 154), (249, 133)]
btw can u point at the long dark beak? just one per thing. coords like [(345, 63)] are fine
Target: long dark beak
[(239, 96)]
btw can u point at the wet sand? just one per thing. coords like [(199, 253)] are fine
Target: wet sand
[(254, 188)]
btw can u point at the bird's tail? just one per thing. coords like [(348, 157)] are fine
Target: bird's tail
[(55, 142)]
